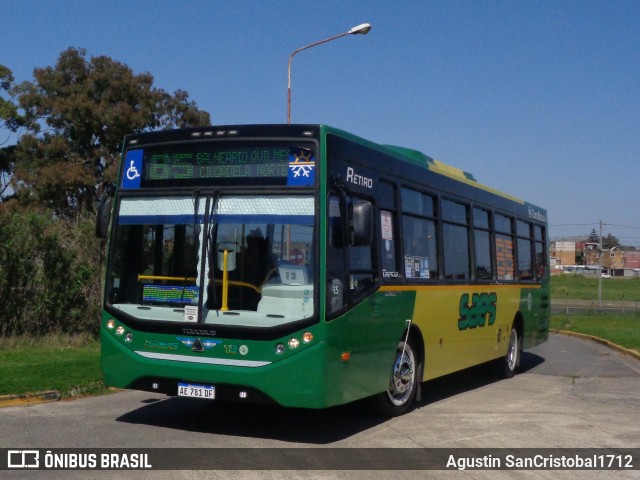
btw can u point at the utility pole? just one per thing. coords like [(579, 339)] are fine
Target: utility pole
[(600, 271)]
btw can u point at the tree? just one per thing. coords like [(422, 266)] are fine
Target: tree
[(49, 274), (70, 121), (6, 168), (610, 241), (76, 114), (10, 121)]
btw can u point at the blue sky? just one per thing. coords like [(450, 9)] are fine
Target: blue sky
[(540, 99)]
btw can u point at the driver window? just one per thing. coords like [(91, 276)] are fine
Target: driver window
[(344, 286), (335, 256)]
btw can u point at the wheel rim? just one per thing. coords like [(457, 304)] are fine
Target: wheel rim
[(512, 353), (403, 376)]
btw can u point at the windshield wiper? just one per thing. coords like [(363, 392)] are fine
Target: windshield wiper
[(212, 232)]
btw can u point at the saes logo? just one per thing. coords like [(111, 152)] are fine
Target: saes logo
[(481, 312)]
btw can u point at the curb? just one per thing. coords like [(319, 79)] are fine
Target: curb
[(627, 351), (29, 398)]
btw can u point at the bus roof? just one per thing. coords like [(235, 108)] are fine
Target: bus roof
[(419, 159), (408, 155)]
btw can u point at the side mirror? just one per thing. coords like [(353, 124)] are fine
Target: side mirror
[(102, 219), (362, 224)]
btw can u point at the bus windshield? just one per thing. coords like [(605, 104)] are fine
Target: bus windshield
[(220, 259)]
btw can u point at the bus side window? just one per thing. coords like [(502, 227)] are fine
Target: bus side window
[(483, 265), (419, 235), (505, 266), (525, 252), (420, 248), (539, 245)]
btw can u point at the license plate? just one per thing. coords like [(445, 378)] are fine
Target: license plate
[(196, 391)]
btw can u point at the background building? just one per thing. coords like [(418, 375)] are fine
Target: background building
[(564, 252), (585, 257)]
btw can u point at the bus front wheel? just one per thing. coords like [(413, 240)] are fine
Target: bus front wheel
[(403, 384)]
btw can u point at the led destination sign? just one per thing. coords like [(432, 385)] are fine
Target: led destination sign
[(213, 164), (240, 162)]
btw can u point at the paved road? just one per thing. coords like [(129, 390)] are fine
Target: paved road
[(572, 393)]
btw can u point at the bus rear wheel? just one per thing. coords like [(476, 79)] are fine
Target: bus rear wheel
[(509, 363), (403, 384)]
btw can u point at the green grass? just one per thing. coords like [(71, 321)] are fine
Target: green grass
[(578, 287), (621, 329), (68, 364)]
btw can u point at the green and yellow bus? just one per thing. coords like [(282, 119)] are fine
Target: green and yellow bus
[(303, 266)]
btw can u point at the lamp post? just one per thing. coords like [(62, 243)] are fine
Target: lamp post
[(362, 29)]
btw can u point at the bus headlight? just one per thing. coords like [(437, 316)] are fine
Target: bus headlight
[(279, 349), (119, 330), (307, 337), (128, 337), (294, 343), (111, 324)]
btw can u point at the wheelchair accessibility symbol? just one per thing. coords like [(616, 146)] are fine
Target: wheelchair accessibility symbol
[(132, 175), (132, 171)]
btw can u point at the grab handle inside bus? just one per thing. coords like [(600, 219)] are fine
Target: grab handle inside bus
[(226, 263), (228, 250)]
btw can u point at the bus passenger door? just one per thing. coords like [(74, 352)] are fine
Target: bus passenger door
[(360, 322)]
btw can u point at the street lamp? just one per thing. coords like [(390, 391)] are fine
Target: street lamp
[(362, 29)]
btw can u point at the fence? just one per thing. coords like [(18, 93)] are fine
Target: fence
[(566, 306)]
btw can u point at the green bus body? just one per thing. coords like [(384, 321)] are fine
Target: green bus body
[(381, 265)]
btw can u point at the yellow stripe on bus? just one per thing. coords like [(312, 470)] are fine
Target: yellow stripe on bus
[(437, 313), (475, 286)]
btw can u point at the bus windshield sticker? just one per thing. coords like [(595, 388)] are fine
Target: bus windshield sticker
[(190, 313), (133, 169), (302, 167), (387, 254), (416, 266), (386, 225), (170, 294)]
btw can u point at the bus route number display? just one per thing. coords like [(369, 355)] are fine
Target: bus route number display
[(188, 165)]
